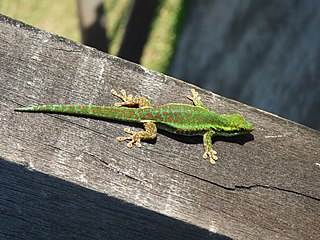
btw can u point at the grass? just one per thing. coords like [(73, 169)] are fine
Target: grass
[(60, 17)]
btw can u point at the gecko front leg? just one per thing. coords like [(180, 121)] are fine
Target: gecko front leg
[(136, 137), (207, 141), (207, 137)]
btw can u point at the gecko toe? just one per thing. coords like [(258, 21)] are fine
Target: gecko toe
[(212, 154)]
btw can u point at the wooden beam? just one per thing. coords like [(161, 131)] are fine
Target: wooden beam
[(68, 177)]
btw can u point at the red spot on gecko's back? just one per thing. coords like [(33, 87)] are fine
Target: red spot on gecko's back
[(170, 119), (158, 117), (85, 108), (96, 109)]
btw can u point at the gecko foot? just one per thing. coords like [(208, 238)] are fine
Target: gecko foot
[(212, 154), (195, 98), (127, 99), (135, 138)]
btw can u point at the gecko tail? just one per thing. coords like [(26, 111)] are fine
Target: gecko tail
[(105, 112), (42, 108), (69, 109), (64, 109), (24, 109)]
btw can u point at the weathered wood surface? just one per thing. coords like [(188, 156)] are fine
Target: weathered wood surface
[(68, 177)]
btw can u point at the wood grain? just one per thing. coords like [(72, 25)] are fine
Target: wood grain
[(68, 177)]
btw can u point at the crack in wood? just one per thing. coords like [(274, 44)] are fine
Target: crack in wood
[(244, 187)]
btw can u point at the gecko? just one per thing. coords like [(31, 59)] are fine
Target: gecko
[(177, 118)]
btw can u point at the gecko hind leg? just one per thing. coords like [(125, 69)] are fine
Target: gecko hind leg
[(195, 98), (129, 100), (136, 137)]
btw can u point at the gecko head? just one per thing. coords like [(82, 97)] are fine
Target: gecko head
[(237, 124)]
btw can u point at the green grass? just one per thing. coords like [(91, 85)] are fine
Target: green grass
[(60, 17), (160, 46)]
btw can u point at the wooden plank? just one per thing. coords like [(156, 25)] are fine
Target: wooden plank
[(69, 176)]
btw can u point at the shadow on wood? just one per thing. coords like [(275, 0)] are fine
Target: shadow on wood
[(39, 206)]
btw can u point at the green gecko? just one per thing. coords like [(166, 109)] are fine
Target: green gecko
[(185, 119)]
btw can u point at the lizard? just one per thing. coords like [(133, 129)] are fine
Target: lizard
[(177, 118)]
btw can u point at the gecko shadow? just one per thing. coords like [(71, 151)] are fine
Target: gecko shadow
[(241, 139), (34, 205), (189, 139)]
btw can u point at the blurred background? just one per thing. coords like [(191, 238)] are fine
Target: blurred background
[(265, 53)]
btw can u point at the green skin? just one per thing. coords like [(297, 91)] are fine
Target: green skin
[(177, 118)]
